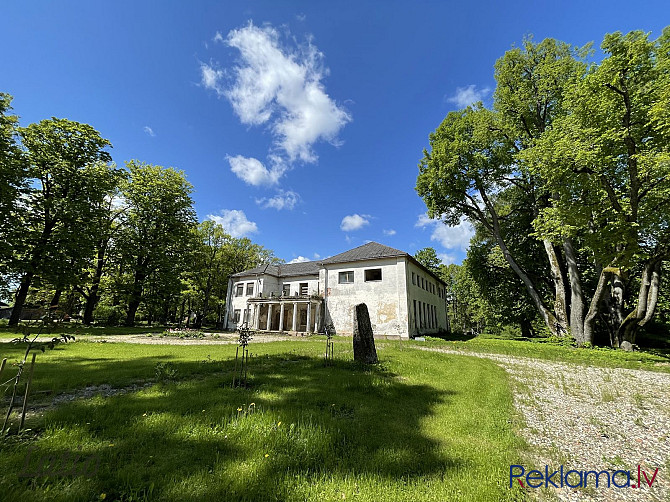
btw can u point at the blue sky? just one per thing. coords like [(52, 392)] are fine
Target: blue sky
[(300, 124)]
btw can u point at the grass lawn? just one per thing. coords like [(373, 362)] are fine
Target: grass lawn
[(418, 426), (648, 359)]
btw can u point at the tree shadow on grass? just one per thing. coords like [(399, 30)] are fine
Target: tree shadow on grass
[(201, 439)]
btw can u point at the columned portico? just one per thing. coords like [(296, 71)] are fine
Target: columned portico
[(299, 314)]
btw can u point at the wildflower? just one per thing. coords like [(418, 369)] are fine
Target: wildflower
[(144, 414), (239, 409), (267, 455), (278, 424), (111, 444), (103, 496)]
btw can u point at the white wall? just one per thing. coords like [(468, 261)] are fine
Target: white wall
[(385, 299)]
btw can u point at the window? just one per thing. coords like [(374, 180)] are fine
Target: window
[(413, 278), (286, 290), (346, 277), (373, 274), (250, 289), (422, 282), (237, 315), (303, 288), (239, 290), (416, 319)]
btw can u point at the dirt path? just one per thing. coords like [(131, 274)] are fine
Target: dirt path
[(589, 418)]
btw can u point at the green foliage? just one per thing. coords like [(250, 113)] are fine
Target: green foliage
[(428, 258)]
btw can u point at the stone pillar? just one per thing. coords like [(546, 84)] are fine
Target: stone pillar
[(281, 316), (269, 325), (257, 316), (308, 328), (317, 321), (364, 342), (294, 326)]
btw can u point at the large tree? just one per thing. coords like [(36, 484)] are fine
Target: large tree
[(607, 160), (70, 177), (12, 180), (155, 240)]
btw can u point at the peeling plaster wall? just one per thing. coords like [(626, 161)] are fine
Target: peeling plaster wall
[(385, 299)]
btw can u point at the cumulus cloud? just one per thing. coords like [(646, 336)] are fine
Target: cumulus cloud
[(446, 258), (279, 87), (149, 131), (456, 237), (354, 222), (283, 200), (234, 222), (299, 259), (389, 232), (466, 96), (253, 172)]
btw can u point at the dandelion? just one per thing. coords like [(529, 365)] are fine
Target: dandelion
[(278, 424), (239, 409), (267, 455), (103, 496)]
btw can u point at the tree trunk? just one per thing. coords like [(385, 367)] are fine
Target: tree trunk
[(93, 297), (576, 293), (558, 276), (594, 307), (20, 298), (646, 305), (135, 298)]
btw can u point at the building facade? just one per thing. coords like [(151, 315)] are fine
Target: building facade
[(404, 298)]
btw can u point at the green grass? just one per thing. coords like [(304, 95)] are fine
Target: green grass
[(77, 330), (651, 359), (418, 426)]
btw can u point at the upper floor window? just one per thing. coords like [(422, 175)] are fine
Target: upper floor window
[(239, 289), (373, 274), (304, 288), (413, 278), (250, 289), (346, 277), (286, 290)]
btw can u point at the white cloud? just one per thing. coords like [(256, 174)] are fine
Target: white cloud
[(299, 259), (466, 96), (282, 88), (447, 258), (253, 172), (301, 17), (211, 78), (456, 237), (218, 37), (389, 232), (234, 222), (149, 131), (283, 200), (354, 222)]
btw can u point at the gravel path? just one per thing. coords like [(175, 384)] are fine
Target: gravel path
[(589, 418)]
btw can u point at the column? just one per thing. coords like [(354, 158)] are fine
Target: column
[(308, 328), (317, 321), (294, 326), (257, 316), (281, 316), (269, 317)]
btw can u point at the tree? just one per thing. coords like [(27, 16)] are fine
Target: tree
[(428, 258), (607, 160), (69, 181), (154, 243), (12, 181)]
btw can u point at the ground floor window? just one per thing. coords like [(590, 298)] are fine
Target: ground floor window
[(237, 315)]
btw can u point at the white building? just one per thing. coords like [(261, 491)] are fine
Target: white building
[(403, 297)]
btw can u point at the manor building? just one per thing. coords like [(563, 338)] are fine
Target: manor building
[(404, 298)]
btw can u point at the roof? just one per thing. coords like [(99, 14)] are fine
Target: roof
[(369, 251), (283, 270), (373, 251)]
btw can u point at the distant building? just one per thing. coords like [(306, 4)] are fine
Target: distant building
[(403, 297)]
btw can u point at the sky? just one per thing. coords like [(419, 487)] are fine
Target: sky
[(300, 124)]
